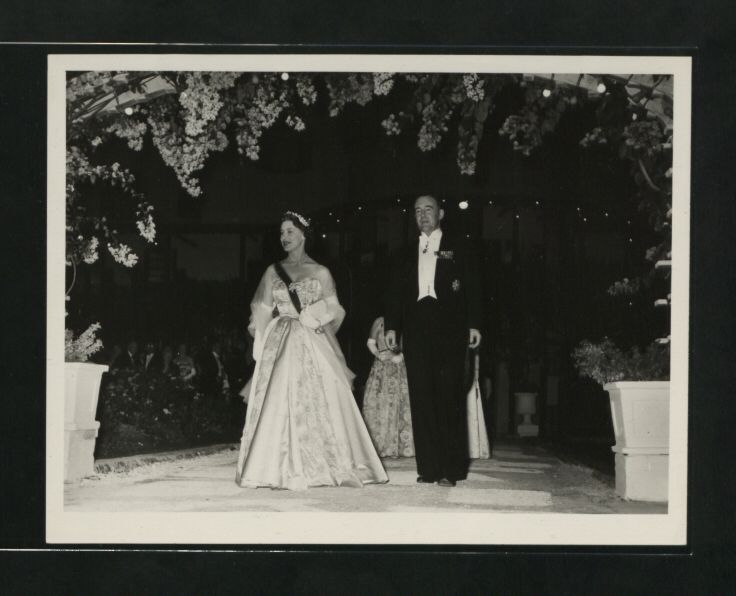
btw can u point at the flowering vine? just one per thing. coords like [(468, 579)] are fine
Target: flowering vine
[(187, 116)]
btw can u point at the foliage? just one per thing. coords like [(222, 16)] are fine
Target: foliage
[(142, 410), (189, 115), (80, 349), (197, 113), (85, 229), (605, 363), (540, 115)]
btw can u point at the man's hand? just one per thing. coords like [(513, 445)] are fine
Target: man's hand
[(474, 339), (390, 337)]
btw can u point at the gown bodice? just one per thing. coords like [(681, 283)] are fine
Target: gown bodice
[(309, 291)]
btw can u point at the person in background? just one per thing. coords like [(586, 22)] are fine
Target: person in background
[(212, 377), (114, 355), (167, 366), (185, 363), (386, 409), (149, 358), (128, 359)]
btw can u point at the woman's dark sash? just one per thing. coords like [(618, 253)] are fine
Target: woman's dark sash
[(287, 282)]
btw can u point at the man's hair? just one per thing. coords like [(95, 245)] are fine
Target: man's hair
[(429, 196)]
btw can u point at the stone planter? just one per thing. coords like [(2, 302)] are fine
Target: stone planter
[(641, 423), (526, 407), (81, 391)]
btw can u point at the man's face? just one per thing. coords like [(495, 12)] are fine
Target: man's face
[(428, 214)]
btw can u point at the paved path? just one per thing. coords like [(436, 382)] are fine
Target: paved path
[(516, 479)]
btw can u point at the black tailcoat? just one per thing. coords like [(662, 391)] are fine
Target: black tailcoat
[(435, 339)]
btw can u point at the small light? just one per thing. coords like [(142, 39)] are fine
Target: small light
[(338, 220), (573, 100), (606, 214), (517, 216), (536, 203), (631, 304), (398, 200), (585, 219), (284, 76), (128, 111), (634, 116), (330, 214), (403, 210), (490, 202), (467, 235), (578, 209), (324, 235), (628, 221), (463, 205), (601, 88), (631, 239), (546, 92), (360, 208)]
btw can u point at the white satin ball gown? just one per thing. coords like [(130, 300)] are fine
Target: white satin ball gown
[(302, 427)]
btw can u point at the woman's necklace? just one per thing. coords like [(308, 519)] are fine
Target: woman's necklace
[(297, 262)]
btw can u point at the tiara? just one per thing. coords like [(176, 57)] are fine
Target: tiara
[(302, 220)]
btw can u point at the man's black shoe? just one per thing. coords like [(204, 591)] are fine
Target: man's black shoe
[(423, 480), (446, 482)]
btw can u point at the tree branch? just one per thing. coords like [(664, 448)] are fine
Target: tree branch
[(647, 177)]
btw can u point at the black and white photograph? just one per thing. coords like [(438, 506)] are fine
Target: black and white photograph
[(368, 299)]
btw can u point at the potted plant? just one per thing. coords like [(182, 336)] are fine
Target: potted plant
[(526, 375), (637, 382), (81, 390), (525, 398)]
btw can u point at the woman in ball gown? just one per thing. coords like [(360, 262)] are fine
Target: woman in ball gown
[(386, 399), (303, 427)]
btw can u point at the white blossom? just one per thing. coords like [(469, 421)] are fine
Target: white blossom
[(391, 125), (383, 82), (295, 122), (90, 254), (123, 254), (306, 90), (147, 227), (129, 130), (474, 87)]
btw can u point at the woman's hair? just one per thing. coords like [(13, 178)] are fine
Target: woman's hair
[(299, 221)]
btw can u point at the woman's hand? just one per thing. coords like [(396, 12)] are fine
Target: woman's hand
[(385, 355), (390, 338), (308, 320)]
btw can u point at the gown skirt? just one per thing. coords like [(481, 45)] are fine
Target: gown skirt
[(303, 428), (386, 409)]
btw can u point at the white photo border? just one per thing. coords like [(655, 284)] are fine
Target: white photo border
[(452, 528)]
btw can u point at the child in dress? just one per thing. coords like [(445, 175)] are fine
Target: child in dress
[(386, 399)]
